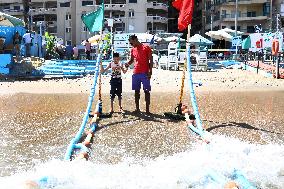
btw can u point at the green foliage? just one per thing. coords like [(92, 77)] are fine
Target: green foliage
[(107, 43), (50, 46)]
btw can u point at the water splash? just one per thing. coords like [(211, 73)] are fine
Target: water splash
[(263, 165)]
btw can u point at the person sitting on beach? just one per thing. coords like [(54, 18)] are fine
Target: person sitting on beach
[(115, 81)]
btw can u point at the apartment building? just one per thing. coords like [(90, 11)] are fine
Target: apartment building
[(63, 17), (220, 14)]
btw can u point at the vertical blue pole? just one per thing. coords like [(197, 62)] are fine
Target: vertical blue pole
[(191, 88)]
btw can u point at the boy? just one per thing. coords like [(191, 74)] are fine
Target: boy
[(115, 81)]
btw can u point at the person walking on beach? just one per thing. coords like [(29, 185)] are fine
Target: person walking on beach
[(17, 42), (141, 56), (75, 53), (28, 43), (115, 81), (88, 49)]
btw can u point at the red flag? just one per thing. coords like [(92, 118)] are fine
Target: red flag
[(185, 8)]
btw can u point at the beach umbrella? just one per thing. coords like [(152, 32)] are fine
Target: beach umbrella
[(8, 20), (246, 43), (220, 34), (199, 40), (173, 38), (230, 31)]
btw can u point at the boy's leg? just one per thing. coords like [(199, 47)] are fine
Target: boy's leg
[(112, 94), (118, 93), (111, 105)]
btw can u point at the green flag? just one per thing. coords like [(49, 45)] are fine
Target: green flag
[(94, 20)]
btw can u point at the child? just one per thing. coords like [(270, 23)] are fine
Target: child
[(115, 81)]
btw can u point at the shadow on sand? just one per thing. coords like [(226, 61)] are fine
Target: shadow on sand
[(240, 125)]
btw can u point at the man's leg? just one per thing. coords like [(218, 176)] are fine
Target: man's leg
[(147, 99), (136, 85), (147, 89), (137, 100)]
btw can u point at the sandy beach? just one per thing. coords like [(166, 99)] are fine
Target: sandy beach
[(38, 119), (162, 81)]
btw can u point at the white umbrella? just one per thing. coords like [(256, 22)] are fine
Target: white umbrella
[(198, 39), (230, 31), (173, 38), (220, 34)]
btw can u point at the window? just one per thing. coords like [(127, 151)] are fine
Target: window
[(66, 4), (68, 30), (250, 29), (224, 13), (68, 42), (85, 29), (238, 28), (87, 3), (17, 8), (68, 16), (132, 1), (251, 14), (131, 13)]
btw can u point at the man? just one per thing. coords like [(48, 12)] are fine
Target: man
[(141, 55), (28, 43)]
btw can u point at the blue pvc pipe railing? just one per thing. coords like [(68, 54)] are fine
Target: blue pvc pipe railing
[(192, 93), (86, 116), (199, 130)]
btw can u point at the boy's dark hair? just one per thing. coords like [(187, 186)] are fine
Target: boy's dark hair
[(115, 54), (132, 37)]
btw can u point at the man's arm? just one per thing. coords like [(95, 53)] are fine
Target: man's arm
[(150, 58), (130, 61)]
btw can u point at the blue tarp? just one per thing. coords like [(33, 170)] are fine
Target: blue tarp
[(7, 33)]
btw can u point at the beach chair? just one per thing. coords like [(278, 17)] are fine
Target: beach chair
[(173, 62), (202, 63), (163, 62)]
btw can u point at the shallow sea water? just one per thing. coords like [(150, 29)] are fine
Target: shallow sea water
[(138, 151)]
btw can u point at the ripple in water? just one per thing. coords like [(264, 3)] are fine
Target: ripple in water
[(262, 164)]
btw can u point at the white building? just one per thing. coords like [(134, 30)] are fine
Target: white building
[(63, 17)]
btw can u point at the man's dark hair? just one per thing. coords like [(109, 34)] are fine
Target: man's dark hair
[(115, 54), (132, 37)]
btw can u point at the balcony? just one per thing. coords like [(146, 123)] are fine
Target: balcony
[(244, 2), (14, 12), (157, 19), (114, 6), (242, 17), (154, 5), (43, 11)]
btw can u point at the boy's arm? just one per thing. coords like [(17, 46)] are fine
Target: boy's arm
[(124, 69)]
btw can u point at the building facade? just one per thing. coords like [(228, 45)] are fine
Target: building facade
[(220, 14), (63, 17)]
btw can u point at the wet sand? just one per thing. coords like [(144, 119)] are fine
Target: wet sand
[(38, 127)]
